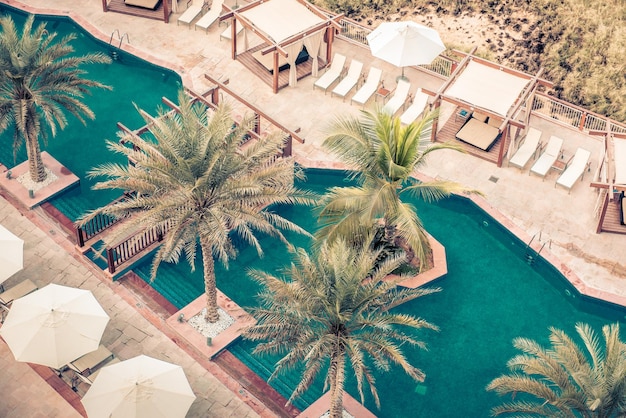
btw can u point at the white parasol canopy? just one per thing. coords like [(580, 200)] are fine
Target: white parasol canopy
[(11, 254), (139, 387), (405, 43), (54, 325)]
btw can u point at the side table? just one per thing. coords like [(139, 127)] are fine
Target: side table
[(383, 93), (462, 115)]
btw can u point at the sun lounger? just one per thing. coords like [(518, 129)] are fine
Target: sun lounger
[(548, 157), (192, 12), (350, 80), (227, 34), (574, 169), (21, 289), (211, 16), (368, 89), (91, 361), (332, 74), (399, 97), (89, 379), (527, 149), (416, 109)]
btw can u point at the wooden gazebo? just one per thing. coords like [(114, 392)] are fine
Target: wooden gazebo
[(495, 91), (151, 9), (284, 26), (610, 179)]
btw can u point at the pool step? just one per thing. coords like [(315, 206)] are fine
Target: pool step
[(97, 256)]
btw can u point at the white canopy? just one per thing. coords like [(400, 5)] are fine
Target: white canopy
[(487, 87), (619, 148), (281, 19)]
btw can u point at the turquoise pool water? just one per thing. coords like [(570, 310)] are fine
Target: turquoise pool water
[(81, 147), (490, 296)]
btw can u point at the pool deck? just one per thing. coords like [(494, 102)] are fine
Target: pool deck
[(531, 207)]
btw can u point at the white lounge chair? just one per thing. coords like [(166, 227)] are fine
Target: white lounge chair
[(528, 149), (548, 157), (332, 74), (350, 80), (369, 87), (192, 12), (411, 114), (399, 97), (227, 33), (211, 16), (575, 169)]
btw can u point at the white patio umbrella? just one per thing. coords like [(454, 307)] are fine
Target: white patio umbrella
[(54, 325), (11, 254), (139, 387), (405, 43)]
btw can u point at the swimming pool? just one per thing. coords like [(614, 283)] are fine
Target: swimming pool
[(490, 295), (81, 147)]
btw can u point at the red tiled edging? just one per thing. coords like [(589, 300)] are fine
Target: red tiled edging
[(322, 405), (221, 341), (65, 180)]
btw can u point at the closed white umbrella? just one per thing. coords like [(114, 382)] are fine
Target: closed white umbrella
[(139, 387), (54, 325), (11, 254), (405, 43)]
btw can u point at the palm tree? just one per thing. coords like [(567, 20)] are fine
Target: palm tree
[(384, 155), (565, 380), (197, 182), (332, 309), (40, 79)]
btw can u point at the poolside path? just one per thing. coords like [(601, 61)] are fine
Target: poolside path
[(50, 258)]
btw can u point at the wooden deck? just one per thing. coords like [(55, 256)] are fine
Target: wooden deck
[(119, 6), (448, 134), (303, 69), (611, 222)]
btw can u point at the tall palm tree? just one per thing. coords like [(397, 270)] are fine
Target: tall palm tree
[(332, 309), (199, 181), (40, 79), (565, 380), (384, 155)]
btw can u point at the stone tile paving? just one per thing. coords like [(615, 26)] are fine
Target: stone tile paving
[(127, 335), (25, 394)]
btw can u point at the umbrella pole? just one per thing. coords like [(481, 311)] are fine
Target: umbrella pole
[(402, 77)]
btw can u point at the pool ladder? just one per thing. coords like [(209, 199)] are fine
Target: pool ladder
[(114, 53), (530, 258)]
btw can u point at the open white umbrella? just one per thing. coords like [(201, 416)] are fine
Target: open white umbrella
[(11, 254), (405, 43), (139, 387), (54, 325)]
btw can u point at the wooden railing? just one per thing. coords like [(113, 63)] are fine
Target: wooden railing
[(131, 247), (568, 114), (97, 225)]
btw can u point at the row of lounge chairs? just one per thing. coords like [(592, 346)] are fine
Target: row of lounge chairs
[(195, 9), (370, 86), (573, 169)]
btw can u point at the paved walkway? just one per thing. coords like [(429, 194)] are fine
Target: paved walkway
[(563, 221), (49, 258)]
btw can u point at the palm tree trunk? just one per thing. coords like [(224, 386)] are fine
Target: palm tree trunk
[(35, 164), (210, 285), (337, 377)]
